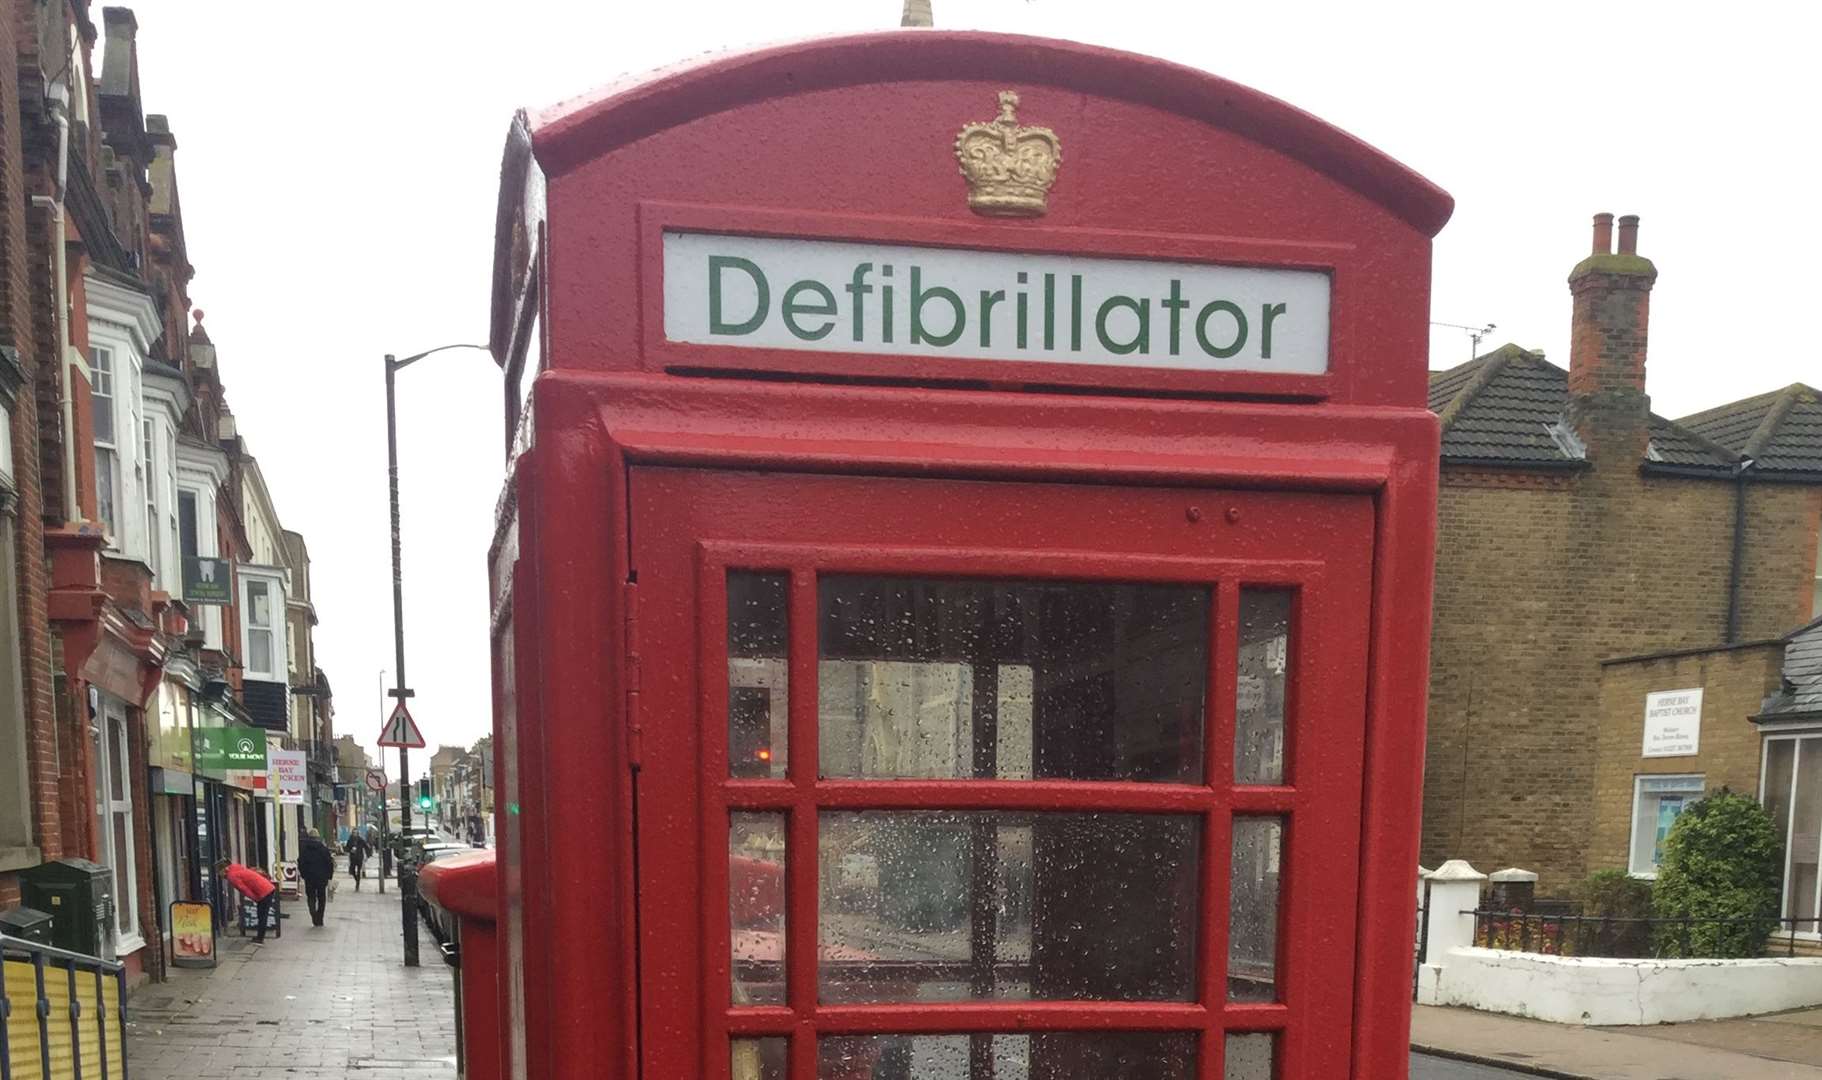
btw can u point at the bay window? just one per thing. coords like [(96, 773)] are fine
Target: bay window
[(107, 451), (1790, 789), (262, 621)]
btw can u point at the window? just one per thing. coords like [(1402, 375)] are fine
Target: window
[(259, 625), (114, 810), (1656, 802), (107, 453), (1791, 791), (186, 524), (1815, 604), (150, 461)]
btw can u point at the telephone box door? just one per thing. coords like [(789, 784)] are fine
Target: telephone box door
[(990, 779)]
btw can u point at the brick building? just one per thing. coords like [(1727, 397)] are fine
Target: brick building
[(124, 473), (1576, 526)]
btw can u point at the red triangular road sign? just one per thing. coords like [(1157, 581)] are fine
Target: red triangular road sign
[(401, 730)]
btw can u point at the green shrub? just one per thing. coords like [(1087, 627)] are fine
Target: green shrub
[(1616, 895), (1720, 861)]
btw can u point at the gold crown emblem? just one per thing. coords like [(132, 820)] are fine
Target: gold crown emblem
[(1009, 168)]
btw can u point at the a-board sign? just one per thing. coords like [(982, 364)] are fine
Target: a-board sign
[(894, 299), (192, 934), (249, 915), (1673, 723)]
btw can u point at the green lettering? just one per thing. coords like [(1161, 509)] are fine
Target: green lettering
[(790, 308), (1268, 316), (919, 336), (1202, 318), (1141, 341), (988, 299), (717, 325)]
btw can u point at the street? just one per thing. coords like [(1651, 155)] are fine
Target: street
[(314, 1004), (1426, 1067)]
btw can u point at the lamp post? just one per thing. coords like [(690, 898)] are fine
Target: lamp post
[(408, 878)]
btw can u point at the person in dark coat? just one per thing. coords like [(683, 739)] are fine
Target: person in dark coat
[(358, 848), (316, 866)]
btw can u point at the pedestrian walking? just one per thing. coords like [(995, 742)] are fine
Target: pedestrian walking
[(316, 865), (253, 885), (358, 849)]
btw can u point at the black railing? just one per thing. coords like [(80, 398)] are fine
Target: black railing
[(1634, 938), (79, 1004)]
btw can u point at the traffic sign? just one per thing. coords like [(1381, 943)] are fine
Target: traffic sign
[(401, 730), (376, 780)]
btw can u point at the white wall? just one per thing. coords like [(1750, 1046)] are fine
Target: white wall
[(1584, 990)]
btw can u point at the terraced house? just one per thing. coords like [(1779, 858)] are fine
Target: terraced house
[(1587, 547)]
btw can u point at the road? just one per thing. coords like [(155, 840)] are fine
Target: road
[(1425, 1067)]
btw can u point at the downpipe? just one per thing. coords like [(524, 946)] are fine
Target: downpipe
[(59, 97)]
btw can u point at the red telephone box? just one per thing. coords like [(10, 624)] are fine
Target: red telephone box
[(962, 590)]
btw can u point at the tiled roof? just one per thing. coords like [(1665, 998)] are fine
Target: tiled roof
[(1802, 692), (1780, 431), (1507, 408)]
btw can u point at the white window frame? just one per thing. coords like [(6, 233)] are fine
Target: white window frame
[(116, 815), (1796, 739), (1697, 786), (274, 581), (104, 386)]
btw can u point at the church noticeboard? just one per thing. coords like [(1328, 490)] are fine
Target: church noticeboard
[(1673, 723), (207, 581)]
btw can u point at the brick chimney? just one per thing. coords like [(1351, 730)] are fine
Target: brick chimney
[(1612, 306)]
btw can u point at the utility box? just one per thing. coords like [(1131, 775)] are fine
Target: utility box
[(26, 924), (79, 895)]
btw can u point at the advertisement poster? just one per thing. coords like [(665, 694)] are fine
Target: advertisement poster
[(290, 779), (192, 935)]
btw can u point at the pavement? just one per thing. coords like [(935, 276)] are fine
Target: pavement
[(1782, 1046), (316, 1004)]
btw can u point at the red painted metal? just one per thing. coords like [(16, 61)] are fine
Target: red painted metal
[(466, 886), (650, 468)]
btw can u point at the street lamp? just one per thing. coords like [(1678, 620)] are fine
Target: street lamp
[(408, 883)]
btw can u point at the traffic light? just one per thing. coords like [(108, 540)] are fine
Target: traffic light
[(425, 802)]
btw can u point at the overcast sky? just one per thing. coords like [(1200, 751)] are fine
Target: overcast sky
[(338, 165)]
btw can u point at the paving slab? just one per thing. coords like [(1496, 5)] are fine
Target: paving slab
[(1785, 1047), (315, 1004)]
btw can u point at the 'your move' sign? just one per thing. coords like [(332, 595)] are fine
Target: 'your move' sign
[(834, 296)]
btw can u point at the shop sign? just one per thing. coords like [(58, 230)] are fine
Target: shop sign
[(1673, 723), (192, 935), (225, 748), (888, 299), (290, 782), (206, 581)]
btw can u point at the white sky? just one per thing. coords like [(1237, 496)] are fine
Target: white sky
[(338, 164)]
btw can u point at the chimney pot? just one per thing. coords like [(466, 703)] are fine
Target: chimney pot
[(1603, 234), (1629, 234)]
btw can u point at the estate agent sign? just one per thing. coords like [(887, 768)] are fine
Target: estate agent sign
[(1673, 723)]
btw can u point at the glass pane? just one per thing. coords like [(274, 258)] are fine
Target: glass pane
[(258, 603), (760, 1059), (1249, 1057), (756, 906), (1011, 680), (758, 675), (937, 906), (123, 872), (259, 644), (1067, 1055), (1805, 833), (116, 757), (1265, 626), (1252, 944)]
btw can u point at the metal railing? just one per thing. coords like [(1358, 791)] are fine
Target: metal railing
[(1633, 937), (62, 1014)]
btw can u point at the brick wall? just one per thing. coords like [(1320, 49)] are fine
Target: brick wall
[(1735, 682), (1540, 577)]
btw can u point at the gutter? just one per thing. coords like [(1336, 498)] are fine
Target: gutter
[(59, 98)]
